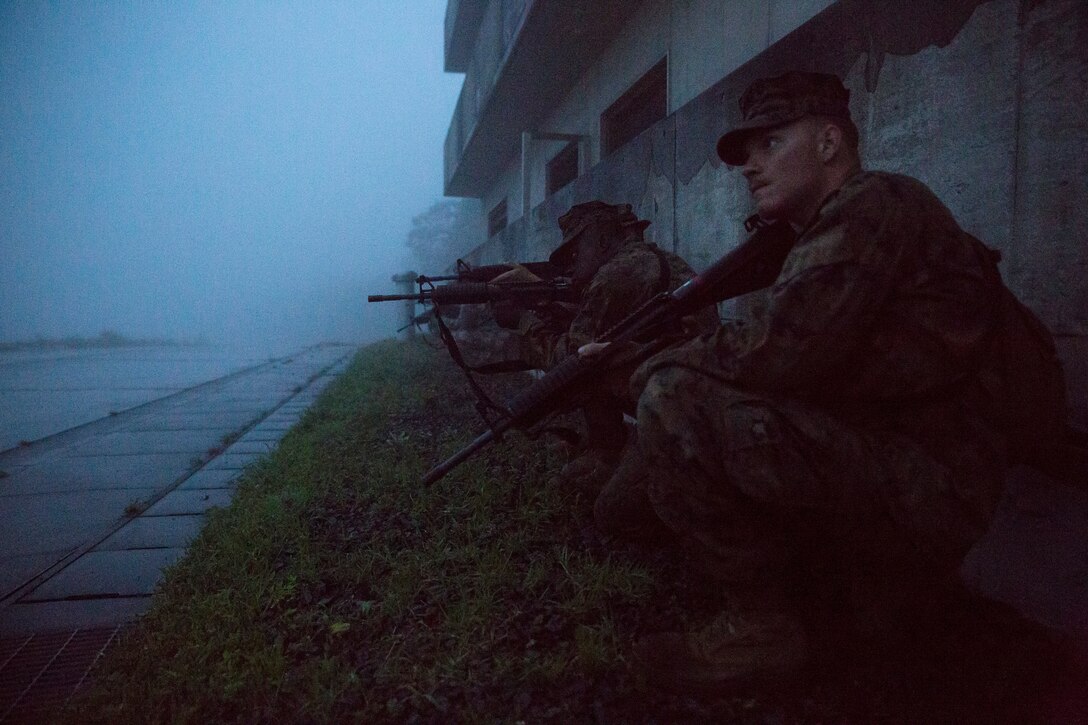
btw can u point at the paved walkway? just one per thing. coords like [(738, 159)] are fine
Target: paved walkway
[(75, 562)]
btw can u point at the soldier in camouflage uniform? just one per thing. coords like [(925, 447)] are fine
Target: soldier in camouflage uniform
[(614, 271), (877, 398)]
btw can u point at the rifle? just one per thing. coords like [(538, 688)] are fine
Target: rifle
[(753, 265), (467, 273), (525, 294)]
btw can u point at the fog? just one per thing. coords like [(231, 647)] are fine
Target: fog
[(241, 172)]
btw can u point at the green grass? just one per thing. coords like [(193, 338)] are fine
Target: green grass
[(337, 589)]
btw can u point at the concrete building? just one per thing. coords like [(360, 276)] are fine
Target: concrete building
[(984, 100)]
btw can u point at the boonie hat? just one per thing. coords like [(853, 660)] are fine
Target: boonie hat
[(580, 216), (771, 102)]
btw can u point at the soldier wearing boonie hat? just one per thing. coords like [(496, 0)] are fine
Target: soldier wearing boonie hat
[(615, 271), (880, 394), (619, 219)]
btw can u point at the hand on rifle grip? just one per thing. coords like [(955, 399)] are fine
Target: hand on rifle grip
[(591, 349), (517, 274)]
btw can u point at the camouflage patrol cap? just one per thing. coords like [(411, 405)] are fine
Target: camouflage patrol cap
[(581, 216), (771, 102)]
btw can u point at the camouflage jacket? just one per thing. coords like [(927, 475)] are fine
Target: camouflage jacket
[(888, 314), (628, 280)]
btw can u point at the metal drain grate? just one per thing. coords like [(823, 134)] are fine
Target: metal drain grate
[(41, 672)]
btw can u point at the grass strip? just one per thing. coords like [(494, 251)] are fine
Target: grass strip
[(336, 589)]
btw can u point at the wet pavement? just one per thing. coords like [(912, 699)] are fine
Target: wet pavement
[(89, 517), (47, 390)]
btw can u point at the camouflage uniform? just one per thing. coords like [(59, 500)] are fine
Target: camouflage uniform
[(635, 274), (883, 390), (631, 278)]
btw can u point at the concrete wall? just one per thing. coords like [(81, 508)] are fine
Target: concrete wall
[(703, 39), (982, 100), (642, 43)]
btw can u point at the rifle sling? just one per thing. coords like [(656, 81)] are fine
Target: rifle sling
[(483, 402)]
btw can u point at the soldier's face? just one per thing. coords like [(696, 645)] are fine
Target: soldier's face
[(590, 255), (785, 171)]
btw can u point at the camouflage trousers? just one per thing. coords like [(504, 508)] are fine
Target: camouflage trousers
[(738, 475)]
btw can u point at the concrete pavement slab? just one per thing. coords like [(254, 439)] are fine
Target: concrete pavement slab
[(154, 532), (32, 617), (262, 434), (236, 404), (16, 571), (39, 419), (208, 420), (43, 517), (93, 473), (190, 501), (236, 461), (107, 574), (149, 441), (61, 521), (275, 425), (284, 415), (252, 446), (211, 478)]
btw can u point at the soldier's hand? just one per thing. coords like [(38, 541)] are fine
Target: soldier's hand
[(592, 348), (516, 275)]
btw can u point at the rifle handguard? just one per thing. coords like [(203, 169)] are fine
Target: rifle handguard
[(531, 404)]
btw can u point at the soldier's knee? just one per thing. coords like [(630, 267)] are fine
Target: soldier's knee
[(668, 393), (663, 404)]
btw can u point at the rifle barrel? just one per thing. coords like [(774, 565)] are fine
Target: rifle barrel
[(474, 293), (393, 298), (450, 463)]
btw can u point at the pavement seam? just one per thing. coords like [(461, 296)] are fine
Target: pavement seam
[(51, 436), (15, 595)]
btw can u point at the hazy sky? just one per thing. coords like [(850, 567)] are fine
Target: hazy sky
[(242, 171)]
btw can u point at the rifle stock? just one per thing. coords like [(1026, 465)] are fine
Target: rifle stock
[(753, 265)]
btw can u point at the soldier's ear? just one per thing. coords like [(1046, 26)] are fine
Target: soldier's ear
[(830, 141)]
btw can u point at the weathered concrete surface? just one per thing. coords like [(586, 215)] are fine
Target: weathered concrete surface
[(29, 617), (261, 434), (155, 532), (60, 521), (69, 550), (252, 446), (133, 442), (70, 471), (219, 478), (236, 461), (101, 574), (190, 501)]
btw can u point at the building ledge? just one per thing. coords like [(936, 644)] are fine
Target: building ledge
[(558, 41)]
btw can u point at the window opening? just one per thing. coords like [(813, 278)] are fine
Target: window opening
[(641, 106), (496, 219), (562, 169)]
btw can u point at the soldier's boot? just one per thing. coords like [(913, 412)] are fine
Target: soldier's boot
[(623, 508), (753, 647), (588, 472), (606, 435)]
